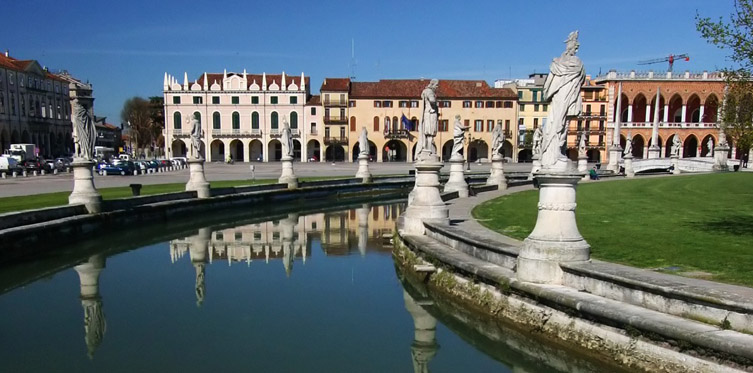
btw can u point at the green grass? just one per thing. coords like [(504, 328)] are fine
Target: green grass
[(19, 203), (695, 222)]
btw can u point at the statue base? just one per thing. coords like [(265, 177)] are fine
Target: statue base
[(363, 168), (457, 183), (555, 238), (675, 162), (196, 179), (654, 152), (615, 155), (426, 202), (629, 172), (84, 191), (583, 166), (363, 228), (536, 167), (287, 176), (720, 158), (497, 173)]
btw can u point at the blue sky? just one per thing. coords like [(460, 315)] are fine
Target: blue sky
[(125, 47)]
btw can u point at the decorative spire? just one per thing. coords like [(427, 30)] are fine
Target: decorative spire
[(263, 81), (206, 82), (164, 84), (224, 78), (303, 82), (283, 86), (185, 81)]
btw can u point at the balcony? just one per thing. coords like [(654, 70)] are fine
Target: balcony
[(314, 132), (331, 140), (235, 133), (667, 125), (338, 103), (178, 133), (397, 134), (332, 119), (275, 132)]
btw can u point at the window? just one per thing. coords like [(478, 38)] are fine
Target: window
[(215, 100), (507, 125), (522, 107), (601, 125), (520, 95), (255, 120), (197, 100), (238, 236), (601, 111), (293, 99), (441, 103), (257, 236), (273, 100), (352, 124), (479, 104), (521, 122), (387, 104), (376, 124), (255, 100), (545, 107), (507, 104), (377, 103), (489, 104), (326, 98), (535, 95), (313, 111), (580, 125), (535, 107), (352, 103), (478, 125), (275, 120), (342, 98), (342, 132), (466, 104), (235, 100), (219, 236), (176, 120), (443, 125), (588, 109), (294, 120), (236, 121), (535, 123), (216, 121), (176, 99), (489, 125), (387, 123), (588, 125), (313, 128), (415, 104), (403, 103)]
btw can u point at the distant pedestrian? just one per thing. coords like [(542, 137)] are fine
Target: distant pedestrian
[(593, 175)]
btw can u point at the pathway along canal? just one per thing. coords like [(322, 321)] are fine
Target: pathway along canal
[(316, 292)]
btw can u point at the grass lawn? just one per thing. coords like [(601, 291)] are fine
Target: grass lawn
[(681, 224), (18, 203)]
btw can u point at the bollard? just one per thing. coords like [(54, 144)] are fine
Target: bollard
[(3, 175), (69, 169), (23, 173), (55, 171), (15, 173), (135, 172), (43, 172), (34, 173), (135, 189)]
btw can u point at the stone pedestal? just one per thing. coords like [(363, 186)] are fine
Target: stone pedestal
[(196, 179), (424, 346), (363, 168), (654, 152), (555, 238), (583, 165), (363, 228), (287, 176), (457, 178), (629, 172), (84, 191), (198, 249), (675, 161), (615, 155), (426, 202), (720, 158), (94, 316), (497, 173), (536, 166)]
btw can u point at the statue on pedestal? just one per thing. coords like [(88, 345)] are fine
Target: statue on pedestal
[(429, 121), (286, 139), (498, 139), (710, 147), (537, 137), (363, 143), (458, 135), (196, 135), (562, 87), (628, 146), (722, 138), (676, 146), (582, 146), (84, 133)]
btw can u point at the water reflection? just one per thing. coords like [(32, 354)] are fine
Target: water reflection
[(94, 315), (424, 345)]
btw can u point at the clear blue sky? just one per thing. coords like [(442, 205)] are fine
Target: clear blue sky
[(125, 47)]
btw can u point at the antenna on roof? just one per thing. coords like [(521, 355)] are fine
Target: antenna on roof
[(352, 59)]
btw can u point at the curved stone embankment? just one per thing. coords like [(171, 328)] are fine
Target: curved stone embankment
[(27, 233), (637, 318)]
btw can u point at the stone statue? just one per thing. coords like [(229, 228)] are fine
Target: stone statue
[(363, 143), (582, 146), (84, 133), (676, 146), (628, 146), (94, 324), (722, 139), (429, 121), (196, 135), (458, 135), (498, 139), (710, 146), (287, 139), (562, 87), (537, 137)]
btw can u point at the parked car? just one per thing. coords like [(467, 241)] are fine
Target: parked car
[(119, 167), (54, 164), (9, 164), (180, 161), (31, 165)]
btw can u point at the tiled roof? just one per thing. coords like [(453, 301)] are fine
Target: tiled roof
[(335, 85), (21, 65), (314, 100), (412, 88), (277, 78)]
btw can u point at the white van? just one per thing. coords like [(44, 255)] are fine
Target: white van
[(9, 164)]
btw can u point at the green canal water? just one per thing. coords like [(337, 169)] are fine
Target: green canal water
[(301, 293)]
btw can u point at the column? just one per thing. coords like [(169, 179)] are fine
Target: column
[(246, 151), (630, 113), (648, 112), (684, 111), (666, 113), (701, 113)]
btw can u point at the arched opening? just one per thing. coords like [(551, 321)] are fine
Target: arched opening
[(572, 154), (335, 153), (690, 147), (357, 151), (693, 109), (255, 151), (216, 121), (314, 151), (394, 151), (639, 108), (176, 120), (25, 138), (525, 155), (623, 109), (236, 150), (198, 117), (274, 122), (376, 124), (236, 122), (217, 151), (274, 150), (507, 149), (594, 156), (638, 144), (294, 121), (14, 138), (653, 108), (707, 146), (675, 109), (447, 150), (661, 144), (296, 150), (711, 107), (668, 146), (479, 151), (51, 146), (623, 141), (352, 124), (179, 148), (255, 121)]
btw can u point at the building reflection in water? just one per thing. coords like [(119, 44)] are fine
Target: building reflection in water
[(339, 233), (94, 316), (424, 345)]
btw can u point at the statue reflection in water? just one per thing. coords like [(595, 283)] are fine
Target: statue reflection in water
[(94, 316), (424, 345)]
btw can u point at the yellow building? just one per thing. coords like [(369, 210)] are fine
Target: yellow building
[(591, 122), (390, 110), (532, 111)]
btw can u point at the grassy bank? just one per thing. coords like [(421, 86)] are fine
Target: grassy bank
[(696, 225)]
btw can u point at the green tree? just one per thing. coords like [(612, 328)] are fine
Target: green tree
[(735, 35), (136, 114)]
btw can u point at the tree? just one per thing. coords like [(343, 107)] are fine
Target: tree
[(735, 35), (137, 113)]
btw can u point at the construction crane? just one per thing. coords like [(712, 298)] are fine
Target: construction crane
[(671, 59)]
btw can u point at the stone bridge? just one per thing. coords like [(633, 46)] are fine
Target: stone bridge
[(695, 164)]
